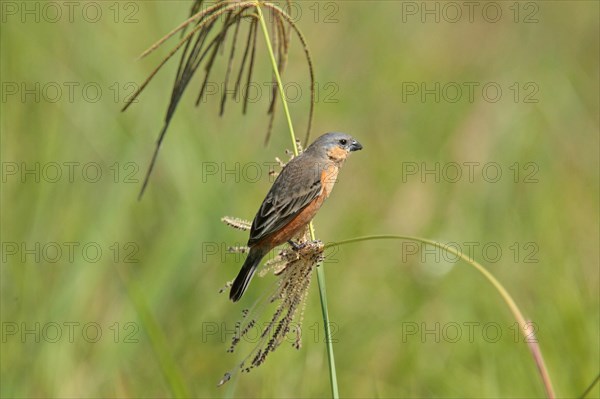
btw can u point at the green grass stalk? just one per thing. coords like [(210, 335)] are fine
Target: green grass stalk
[(320, 271), (524, 325)]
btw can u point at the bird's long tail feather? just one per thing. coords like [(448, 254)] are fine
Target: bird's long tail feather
[(245, 275)]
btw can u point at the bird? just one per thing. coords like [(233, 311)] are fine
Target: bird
[(293, 201)]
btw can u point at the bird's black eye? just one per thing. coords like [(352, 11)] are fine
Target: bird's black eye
[(343, 141)]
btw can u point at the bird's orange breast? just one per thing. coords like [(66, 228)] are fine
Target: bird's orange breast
[(328, 179), (299, 222)]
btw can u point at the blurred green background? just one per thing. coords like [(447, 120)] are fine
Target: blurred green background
[(405, 324)]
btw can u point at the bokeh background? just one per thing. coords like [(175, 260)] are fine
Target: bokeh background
[(146, 310)]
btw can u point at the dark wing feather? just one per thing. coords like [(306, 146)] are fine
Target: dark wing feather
[(293, 190)]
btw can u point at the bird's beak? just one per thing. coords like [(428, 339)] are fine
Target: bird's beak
[(355, 146)]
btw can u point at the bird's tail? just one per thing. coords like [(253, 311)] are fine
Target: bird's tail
[(245, 275)]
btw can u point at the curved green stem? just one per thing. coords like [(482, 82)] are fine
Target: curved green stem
[(286, 109), (589, 389), (523, 323), (320, 272)]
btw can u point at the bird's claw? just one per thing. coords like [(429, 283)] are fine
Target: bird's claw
[(296, 246)]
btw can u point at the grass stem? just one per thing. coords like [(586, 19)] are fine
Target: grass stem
[(524, 325), (320, 271)]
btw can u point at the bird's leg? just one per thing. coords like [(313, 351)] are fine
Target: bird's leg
[(296, 246)]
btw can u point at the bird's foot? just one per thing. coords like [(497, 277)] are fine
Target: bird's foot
[(297, 246)]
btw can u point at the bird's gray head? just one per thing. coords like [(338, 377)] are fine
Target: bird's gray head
[(335, 146)]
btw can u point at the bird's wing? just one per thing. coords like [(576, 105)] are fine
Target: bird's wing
[(298, 184)]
